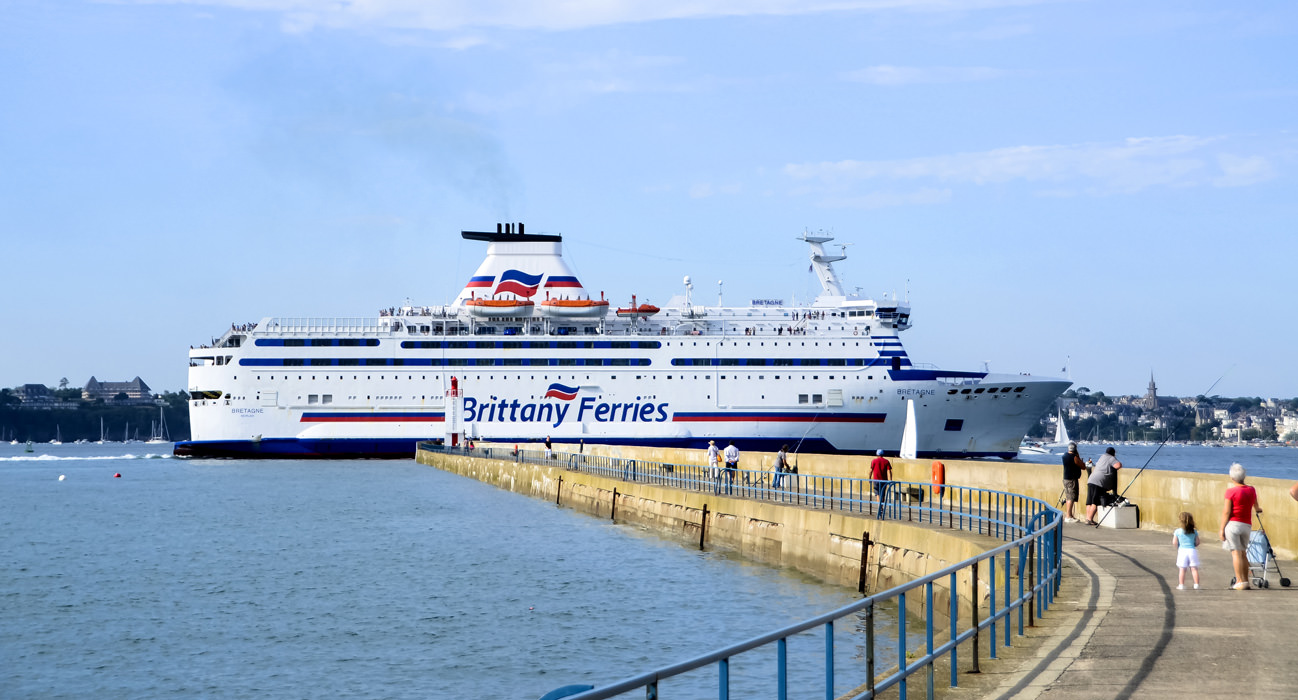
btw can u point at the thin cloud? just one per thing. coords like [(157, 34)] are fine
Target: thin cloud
[(912, 75), (887, 198), (444, 15), (1128, 166)]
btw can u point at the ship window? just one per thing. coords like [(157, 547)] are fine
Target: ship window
[(327, 398), (979, 390), (802, 398), (950, 391), (817, 398), (964, 391), (954, 424), (1004, 389), (1019, 388), (313, 398)]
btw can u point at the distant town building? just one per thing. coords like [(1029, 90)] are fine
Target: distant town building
[(136, 391), (39, 397), (1152, 400)]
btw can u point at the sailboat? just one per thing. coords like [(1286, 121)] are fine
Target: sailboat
[(159, 432), (58, 436), (101, 431), (1047, 448)]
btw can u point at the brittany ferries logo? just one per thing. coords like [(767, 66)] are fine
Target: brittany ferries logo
[(498, 410), (518, 282), (561, 392)]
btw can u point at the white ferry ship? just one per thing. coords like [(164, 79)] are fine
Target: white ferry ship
[(534, 355)]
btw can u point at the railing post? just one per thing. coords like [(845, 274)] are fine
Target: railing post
[(1032, 589), (557, 489), (724, 680), (902, 663), (928, 632), (613, 515), (1008, 569), (869, 645), (829, 660), (782, 673), (954, 592), (991, 606), (973, 596)]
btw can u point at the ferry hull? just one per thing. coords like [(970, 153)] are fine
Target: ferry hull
[(292, 448), (295, 448)]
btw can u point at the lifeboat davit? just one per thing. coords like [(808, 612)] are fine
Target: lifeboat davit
[(500, 308), (641, 311)]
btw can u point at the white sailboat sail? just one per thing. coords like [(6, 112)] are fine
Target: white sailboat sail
[(909, 437), (1061, 431)]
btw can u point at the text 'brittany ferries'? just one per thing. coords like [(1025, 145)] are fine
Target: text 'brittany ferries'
[(498, 410)]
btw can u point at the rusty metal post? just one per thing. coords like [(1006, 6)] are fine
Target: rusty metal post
[(703, 527), (613, 515), (865, 558), (557, 489)]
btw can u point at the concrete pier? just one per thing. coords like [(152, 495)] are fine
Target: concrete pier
[(1118, 628), (1121, 629)]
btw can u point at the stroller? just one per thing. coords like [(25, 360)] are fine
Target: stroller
[(1261, 560)]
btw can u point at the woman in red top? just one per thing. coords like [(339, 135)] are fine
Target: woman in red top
[(1237, 522)]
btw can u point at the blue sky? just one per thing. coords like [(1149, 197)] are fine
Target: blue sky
[(1104, 184)]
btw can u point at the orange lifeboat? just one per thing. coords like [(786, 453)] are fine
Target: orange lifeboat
[(500, 308), (641, 311), (574, 308)]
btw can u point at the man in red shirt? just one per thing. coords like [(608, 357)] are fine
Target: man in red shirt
[(1237, 523), (881, 475)]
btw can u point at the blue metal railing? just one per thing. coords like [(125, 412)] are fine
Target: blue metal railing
[(1031, 553)]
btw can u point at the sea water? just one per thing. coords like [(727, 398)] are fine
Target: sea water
[(1270, 462), (375, 579)]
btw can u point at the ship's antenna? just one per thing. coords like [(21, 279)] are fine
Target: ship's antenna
[(719, 284)]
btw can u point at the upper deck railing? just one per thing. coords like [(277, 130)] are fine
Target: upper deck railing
[(1029, 562)]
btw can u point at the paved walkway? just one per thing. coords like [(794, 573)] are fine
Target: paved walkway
[(1120, 629)]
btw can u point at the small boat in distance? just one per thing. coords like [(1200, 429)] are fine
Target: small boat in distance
[(159, 432), (1049, 448)]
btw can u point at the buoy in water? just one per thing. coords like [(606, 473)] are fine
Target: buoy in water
[(118, 475), (61, 477)]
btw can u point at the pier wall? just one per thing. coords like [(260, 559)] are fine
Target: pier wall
[(1161, 494), (822, 544)]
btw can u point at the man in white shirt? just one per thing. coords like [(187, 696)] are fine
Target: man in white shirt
[(731, 455)]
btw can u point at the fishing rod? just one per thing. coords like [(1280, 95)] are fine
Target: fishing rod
[(1157, 449)]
